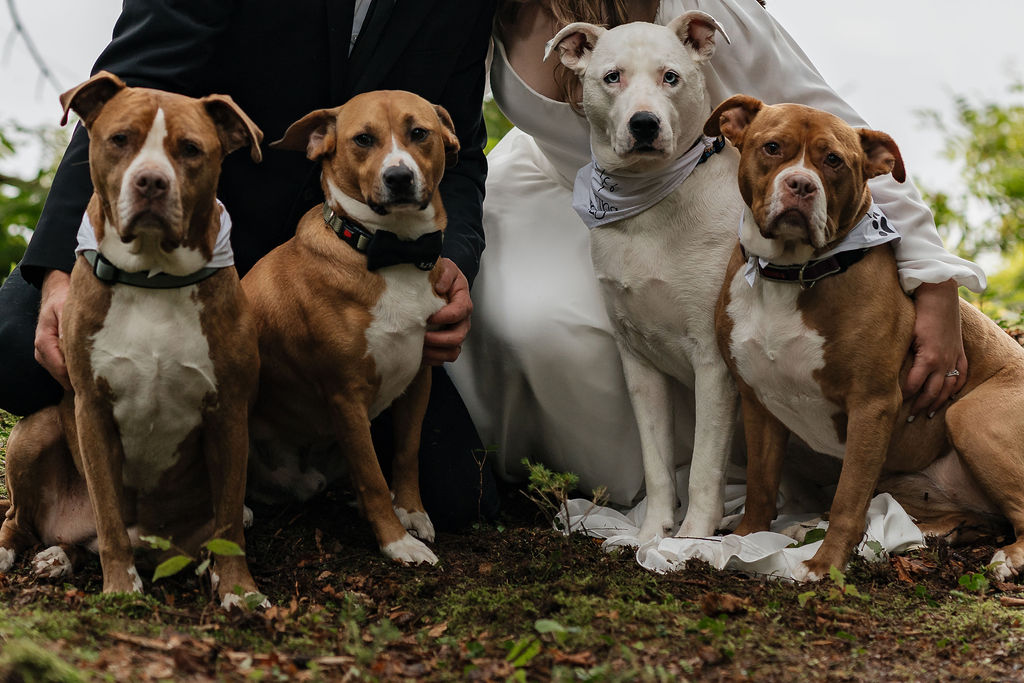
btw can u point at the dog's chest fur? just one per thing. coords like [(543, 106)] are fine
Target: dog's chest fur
[(661, 271), (395, 337), (777, 354), (152, 353)]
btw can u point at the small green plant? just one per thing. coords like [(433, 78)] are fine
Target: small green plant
[(550, 490), (976, 582), (837, 592)]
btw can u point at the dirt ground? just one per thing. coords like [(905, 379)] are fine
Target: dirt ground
[(513, 601)]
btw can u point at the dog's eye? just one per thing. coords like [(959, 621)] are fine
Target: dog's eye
[(418, 134), (671, 77), (771, 148), (833, 160), (363, 140), (190, 149), (119, 139), (611, 77)]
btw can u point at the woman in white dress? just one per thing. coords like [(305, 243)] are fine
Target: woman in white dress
[(540, 371)]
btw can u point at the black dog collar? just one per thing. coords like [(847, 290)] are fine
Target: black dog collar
[(806, 274), (107, 272), (384, 248)]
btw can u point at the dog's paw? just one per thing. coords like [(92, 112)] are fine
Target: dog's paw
[(1007, 563), (232, 600), (808, 572), (416, 523), (52, 563), (798, 532), (654, 528), (409, 550), (247, 517), (6, 559), (695, 529), (133, 573)]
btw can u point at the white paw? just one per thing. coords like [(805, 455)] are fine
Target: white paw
[(652, 529), (52, 563), (136, 579), (409, 550), (417, 523), (247, 517), (695, 529), (803, 573), (1005, 570), (234, 600), (6, 559)]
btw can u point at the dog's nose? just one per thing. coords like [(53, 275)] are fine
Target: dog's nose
[(801, 186), (398, 179), (151, 184), (643, 126)]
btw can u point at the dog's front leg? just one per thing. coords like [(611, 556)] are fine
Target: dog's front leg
[(766, 439), (352, 429), (226, 450), (715, 418), (868, 433), (102, 458), (649, 392), (408, 411)]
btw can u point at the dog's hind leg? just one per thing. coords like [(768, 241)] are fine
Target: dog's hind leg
[(987, 430)]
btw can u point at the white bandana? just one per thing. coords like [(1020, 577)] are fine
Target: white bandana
[(600, 197), (222, 254), (872, 230)]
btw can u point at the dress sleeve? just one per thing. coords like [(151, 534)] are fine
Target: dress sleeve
[(764, 61), (158, 44)]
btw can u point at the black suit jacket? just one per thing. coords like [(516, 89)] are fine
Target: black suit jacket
[(279, 60)]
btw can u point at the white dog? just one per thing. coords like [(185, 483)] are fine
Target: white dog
[(664, 207)]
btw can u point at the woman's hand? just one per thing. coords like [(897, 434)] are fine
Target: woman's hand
[(938, 348)]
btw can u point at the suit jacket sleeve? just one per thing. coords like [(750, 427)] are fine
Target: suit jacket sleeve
[(462, 188), (162, 45)]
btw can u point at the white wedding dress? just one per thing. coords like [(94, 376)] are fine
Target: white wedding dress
[(540, 372)]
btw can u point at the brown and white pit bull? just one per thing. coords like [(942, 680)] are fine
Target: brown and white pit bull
[(160, 350), (342, 310), (817, 340)]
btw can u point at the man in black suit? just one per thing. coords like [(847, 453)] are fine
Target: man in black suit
[(279, 61)]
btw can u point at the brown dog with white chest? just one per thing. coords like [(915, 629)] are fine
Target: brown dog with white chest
[(342, 310), (815, 328), (160, 350)]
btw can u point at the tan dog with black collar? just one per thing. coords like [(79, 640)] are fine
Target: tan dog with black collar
[(342, 310), (818, 343), (160, 351)]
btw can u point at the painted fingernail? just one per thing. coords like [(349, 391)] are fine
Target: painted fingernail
[(911, 418)]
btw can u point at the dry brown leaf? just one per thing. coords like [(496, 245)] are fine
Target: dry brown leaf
[(438, 630), (713, 604)]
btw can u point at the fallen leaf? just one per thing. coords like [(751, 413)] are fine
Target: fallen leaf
[(438, 630), (713, 604)]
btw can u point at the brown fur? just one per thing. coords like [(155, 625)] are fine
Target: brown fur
[(867, 323)]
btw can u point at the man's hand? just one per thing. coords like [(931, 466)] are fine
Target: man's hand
[(938, 348), (48, 352), (445, 344)]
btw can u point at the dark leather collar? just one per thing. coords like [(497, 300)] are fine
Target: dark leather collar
[(107, 272), (806, 274), (384, 248)]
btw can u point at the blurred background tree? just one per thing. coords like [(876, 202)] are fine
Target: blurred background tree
[(984, 216), (497, 124), (22, 196)]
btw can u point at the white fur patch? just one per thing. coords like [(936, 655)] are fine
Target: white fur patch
[(233, 600), (777, 355), (6, 559), (52, 563), (152, 353), (136, 579), (394, 338), (417, 523), (409, 550), (819, 211), (247, 517)]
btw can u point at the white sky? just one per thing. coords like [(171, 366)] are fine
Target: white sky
[(888, 58)]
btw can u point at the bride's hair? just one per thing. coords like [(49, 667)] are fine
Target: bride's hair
[(607, 13)]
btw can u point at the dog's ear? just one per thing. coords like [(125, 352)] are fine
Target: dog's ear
[(732, 117), (313, 134), (697, 31), (86, 99), (451, 141), (234, 127), (575, 43), (881, 155)]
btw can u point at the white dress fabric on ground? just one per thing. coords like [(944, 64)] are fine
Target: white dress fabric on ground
[(540, 372)]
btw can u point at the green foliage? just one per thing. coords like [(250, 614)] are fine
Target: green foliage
[(497, 124), (24, 660), (22, 198), (837, 592), (176, 563), (986, 214), (976, 582)]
